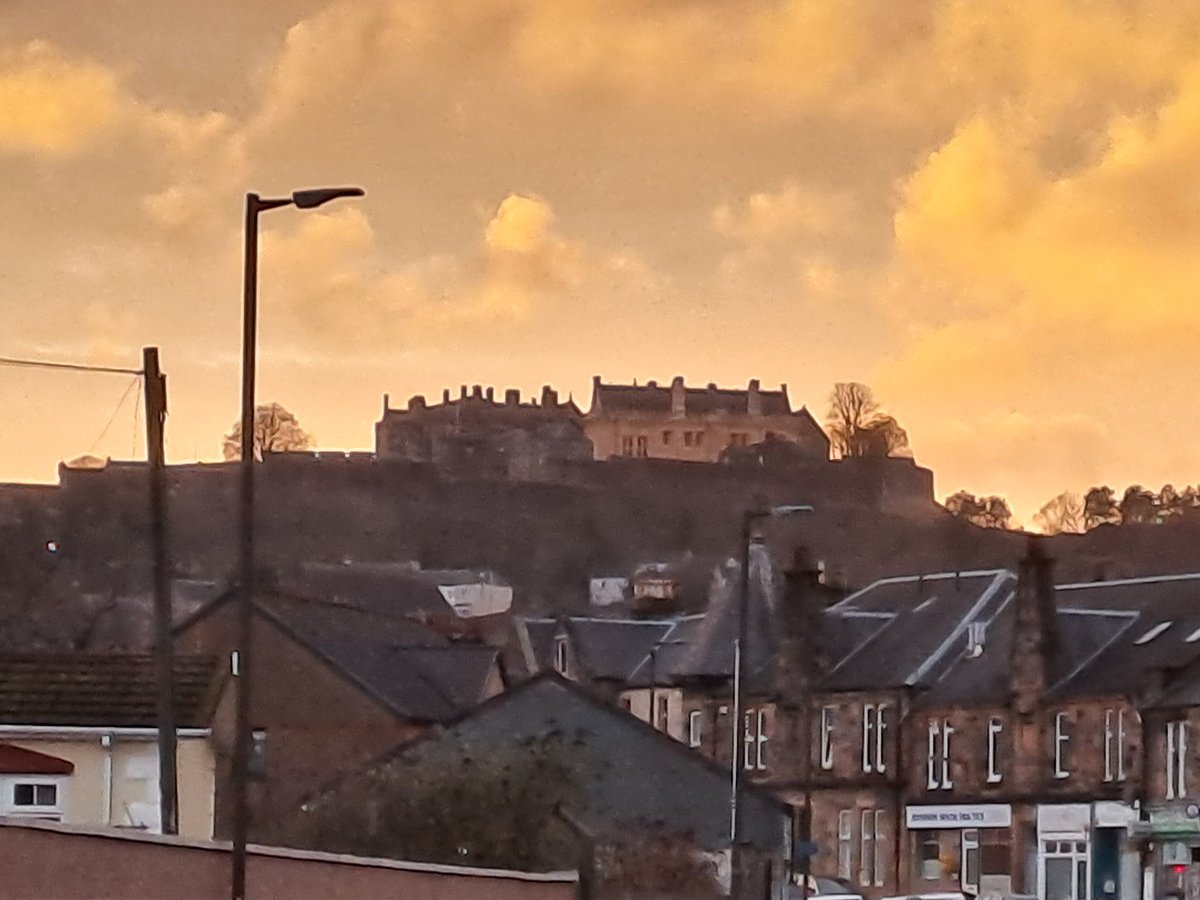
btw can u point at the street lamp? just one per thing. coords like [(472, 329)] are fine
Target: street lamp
[(306, 199), (749, 518)]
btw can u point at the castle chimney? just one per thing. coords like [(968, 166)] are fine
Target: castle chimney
[(490, 394), (753, 399), (417, 402), (595, 395), (512, 397), (678, 397), (462, 392), (445, 395), (477, 392), (652, 384), (549, 396), (386, 403)]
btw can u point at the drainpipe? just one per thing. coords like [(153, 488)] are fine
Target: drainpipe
[(106, 741), (901, 781)]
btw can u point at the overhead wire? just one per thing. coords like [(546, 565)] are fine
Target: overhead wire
[(132, 384), (71, 367)]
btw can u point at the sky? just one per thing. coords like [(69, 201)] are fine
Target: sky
[(988, 212)]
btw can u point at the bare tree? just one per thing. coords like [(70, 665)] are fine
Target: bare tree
[(276, 430), (986, 512), (1062, 515), (1100, 507), (858, 427), (1138, 506)]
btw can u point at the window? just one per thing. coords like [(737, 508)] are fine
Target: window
[(38, 799), (1062, 740), (845, 842), (880, 861), (666, 438), (256, 765), (35, 795), (694, 728), (739, 439), (627, 445), (643, 446), (662, 713), (969, 865), (689, 438), (937, 757), (947, 731), (868, 716), (699, 438), (1114, 745), (873, 726), (827, 713), (1176, 760), (560, 654), (994, 730), (866, 849), (929, 856), (754, 740)]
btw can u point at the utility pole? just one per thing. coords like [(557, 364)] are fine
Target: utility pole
[(156, 412)]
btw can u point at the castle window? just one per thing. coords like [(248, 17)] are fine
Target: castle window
[(666, 438), (739, 439), (627, 445), (689, 438), (643, 445)]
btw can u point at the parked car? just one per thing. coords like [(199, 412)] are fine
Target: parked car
[(825, 888)]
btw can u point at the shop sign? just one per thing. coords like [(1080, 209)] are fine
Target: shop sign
[(1170, 820), (1064, 819), (959, 815), (1112, 814)]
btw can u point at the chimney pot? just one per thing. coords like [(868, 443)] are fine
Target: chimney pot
[(386, 402)]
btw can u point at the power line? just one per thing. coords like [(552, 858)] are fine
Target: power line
[(132, 384), (71, 367)]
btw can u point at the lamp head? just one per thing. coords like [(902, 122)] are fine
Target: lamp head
[(311, 199)]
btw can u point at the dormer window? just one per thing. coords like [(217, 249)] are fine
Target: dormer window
[(1153, 633), (560, 655)]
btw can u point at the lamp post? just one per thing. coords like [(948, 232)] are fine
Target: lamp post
[(736, 825), (306, 199)]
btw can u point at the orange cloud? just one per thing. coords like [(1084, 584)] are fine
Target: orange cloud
[(52, 104)]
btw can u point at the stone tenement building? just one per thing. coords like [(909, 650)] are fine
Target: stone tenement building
[(477, 434), (985, 732), (695, 424)]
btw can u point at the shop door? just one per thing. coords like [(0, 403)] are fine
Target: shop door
[(1064, 872), (1106, 863)]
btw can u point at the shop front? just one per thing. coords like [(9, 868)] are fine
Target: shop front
[(960, 847), (1170, 833), (1084, 852)]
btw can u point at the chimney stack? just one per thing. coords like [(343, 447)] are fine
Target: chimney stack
[(512, 397), (549, 397), (678, 397), (477, 392), (386, 403), (753, 399), (417, 402), (1035, 636), (462, 392), (490, 394), (445, 395)]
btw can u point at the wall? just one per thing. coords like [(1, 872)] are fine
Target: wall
[(134, 792), (665, 434), (317, 723), (48, 863)]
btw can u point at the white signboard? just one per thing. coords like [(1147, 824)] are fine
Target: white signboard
[(965, 815)]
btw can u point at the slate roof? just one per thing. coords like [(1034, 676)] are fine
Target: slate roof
[(655, 398), (412, 670), (384, 588), (612, 649), (928, 620), (114, 691), (625, 775)]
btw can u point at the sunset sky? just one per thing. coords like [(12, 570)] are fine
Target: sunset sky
[(988, 211)]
